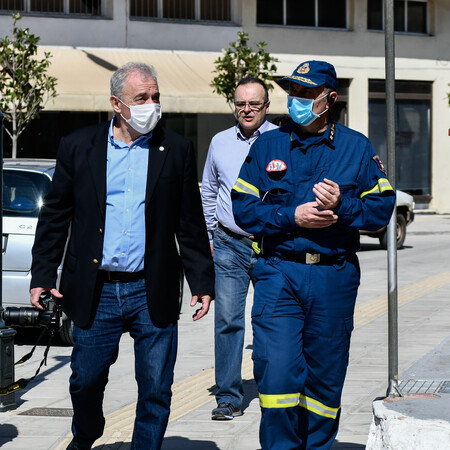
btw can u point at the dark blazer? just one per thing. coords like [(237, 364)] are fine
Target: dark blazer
[(76, 204)]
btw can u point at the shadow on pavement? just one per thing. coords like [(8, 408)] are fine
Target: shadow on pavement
[(116, 446), (29, 336), (347, 446), (250, 393), (7, 433), (169, 443), (43, 375), (367, 247), (178, 442)]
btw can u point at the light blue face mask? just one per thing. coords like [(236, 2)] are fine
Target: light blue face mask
[(300, 109)]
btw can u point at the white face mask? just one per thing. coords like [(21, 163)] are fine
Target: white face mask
[(143, 117)]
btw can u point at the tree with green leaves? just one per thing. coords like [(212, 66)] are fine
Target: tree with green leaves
[(239, 61), (24, 84)]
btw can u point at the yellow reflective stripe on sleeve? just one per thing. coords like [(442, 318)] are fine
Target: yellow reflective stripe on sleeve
[(278, 400), (246, 188), (319, 408), (382, 185)]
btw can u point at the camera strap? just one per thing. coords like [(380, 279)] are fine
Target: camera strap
[(23, 382)]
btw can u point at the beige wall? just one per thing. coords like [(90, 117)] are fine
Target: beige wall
[(116, 31)]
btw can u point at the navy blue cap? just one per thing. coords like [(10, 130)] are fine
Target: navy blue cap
[(313, 74)]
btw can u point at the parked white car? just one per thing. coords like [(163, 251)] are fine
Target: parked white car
[(405, 215), (25, 184)]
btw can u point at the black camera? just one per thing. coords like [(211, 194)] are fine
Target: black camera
[(49, 317)]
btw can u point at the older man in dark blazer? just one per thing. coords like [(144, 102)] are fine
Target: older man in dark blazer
[(126, 195)]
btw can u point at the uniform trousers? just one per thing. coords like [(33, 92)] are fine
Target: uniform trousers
[(123, 307), (302, 320)]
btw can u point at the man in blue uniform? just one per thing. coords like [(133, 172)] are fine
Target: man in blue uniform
[(306, 189)]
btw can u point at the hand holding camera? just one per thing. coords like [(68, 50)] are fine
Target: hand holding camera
[(49, 316)]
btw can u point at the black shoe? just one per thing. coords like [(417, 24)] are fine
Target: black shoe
[(225, 411), (74, 446)]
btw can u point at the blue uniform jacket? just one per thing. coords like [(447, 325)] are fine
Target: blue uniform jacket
[(279, 174)]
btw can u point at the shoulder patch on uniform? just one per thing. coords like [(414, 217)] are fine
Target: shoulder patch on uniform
[(380, 165), (276, 165), (248, 159)]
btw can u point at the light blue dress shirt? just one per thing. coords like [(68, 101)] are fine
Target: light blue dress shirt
[(126, 183), (226, 154)]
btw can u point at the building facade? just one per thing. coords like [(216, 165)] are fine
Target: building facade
[(181, 38)]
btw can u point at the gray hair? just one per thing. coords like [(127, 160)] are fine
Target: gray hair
[(118, 78)]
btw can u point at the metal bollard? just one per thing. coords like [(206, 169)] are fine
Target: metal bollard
[(7, 401)]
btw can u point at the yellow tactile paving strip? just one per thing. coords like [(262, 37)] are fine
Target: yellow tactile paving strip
[(195, 391), (378, 306)]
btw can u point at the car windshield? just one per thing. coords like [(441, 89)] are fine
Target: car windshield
[(23, 192)]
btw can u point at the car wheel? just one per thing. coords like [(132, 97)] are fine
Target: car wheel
[(401, 233), (65, 332)]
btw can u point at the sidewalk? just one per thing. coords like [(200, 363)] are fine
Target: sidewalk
[(42, 418)]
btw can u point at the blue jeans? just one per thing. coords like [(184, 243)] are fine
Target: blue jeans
[(123, 307), (234, 260)]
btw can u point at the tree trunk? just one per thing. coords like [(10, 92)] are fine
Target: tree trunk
[(14, 146), (14, 134)]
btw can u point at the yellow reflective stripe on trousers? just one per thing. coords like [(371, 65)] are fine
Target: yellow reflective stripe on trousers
[(246, 188), (319, 408), (382, 185), (291, 400), (278, 400)]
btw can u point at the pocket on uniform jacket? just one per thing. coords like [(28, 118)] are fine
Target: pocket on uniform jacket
[(348, 189), (277, 196)]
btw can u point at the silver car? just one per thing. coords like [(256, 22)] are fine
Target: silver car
[(25, 184)]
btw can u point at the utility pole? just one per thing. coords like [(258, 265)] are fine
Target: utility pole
[(393, 389)]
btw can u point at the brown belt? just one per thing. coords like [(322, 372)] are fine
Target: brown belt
[(120, 277), (233, 234)]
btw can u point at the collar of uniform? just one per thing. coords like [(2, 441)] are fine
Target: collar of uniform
[(141, 140), (304, 139), (263, 128)]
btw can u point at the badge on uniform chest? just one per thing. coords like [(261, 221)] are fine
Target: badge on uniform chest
[(276, 169)]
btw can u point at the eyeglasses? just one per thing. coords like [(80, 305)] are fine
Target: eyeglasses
[(254, 106)]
